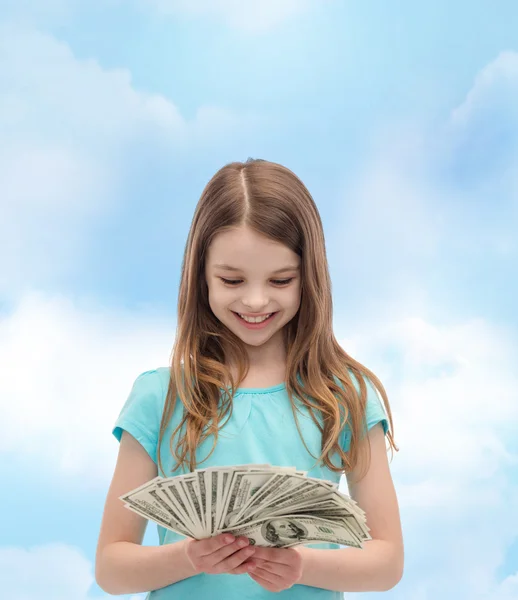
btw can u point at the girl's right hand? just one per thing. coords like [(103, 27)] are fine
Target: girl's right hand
[(219, 554)]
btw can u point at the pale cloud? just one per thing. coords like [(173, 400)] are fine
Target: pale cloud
[(454, 395), (389, 203), (452, 386), (452, 390), (42, 13), (422, 195), (54, 571), (453, 407), (66, 125), (48, 572), (252, 17), (508, 589), (66, 372), (480, 140), (495, 87), (248, 17), (452, 382), (45, 84)]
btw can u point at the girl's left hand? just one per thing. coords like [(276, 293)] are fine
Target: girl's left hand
[(275, 569)]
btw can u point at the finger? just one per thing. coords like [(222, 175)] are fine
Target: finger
[(226, 551), (279, 555), (234, 561), (267, 576), (241, 570), (276, 568), (244, 567), (264, 583), (213, 544)]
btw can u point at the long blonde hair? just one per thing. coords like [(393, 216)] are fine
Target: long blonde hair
[(273, 201)]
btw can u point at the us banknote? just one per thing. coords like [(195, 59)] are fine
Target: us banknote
[(272, 506)]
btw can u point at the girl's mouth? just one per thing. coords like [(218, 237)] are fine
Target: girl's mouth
[(260, 325)]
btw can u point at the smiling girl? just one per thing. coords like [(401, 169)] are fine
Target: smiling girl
[(256, 376)]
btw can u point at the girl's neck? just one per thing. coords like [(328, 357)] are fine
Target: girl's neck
[(267, 364), (260, 376), (270, 355)]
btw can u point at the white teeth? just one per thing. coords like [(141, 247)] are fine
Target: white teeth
[(255, 319)]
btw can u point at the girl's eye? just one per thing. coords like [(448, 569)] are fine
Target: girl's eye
[(276, 281), (229, 281), (282, 281)]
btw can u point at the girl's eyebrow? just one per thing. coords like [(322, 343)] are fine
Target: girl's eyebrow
[(281, 270)]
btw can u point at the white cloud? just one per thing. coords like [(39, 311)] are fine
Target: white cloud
[(452, 386), (252, 17), (66, 371), (247, 16), (45, 84), (66, 126), (508, 589), (389, 204), (453, 398), (54, 571), (430, 200), (495, 87), (49, 572), (454, 407), (452, 390), (50, 11), (426, 195), (480, 140)]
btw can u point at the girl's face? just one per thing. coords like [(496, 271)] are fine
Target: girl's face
[(251, 275)]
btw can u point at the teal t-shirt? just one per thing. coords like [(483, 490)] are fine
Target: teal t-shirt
[(261, 430)]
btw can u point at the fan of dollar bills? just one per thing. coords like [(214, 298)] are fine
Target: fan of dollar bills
[(271, 506)]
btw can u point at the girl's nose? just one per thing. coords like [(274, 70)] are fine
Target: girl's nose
[(256, 302)]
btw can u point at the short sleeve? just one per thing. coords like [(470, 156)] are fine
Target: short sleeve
[(141, 414), (374, 411)]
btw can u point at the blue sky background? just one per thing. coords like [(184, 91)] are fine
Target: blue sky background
[(402, 120)]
